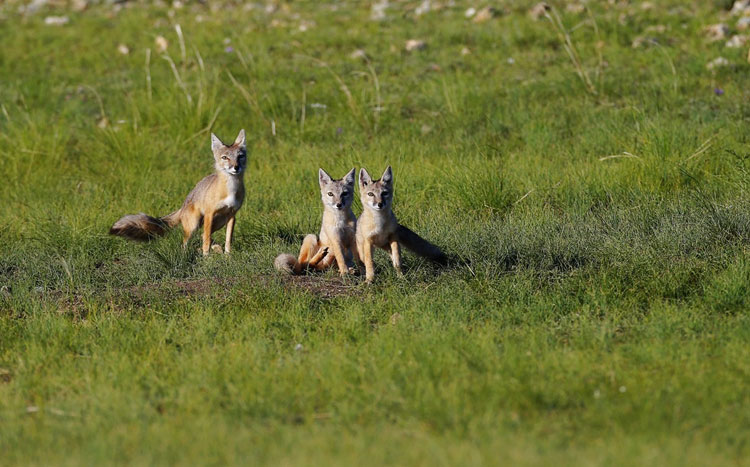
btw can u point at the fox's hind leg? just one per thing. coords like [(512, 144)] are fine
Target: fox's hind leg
[(310, 246), (396, 255), (190, 222)]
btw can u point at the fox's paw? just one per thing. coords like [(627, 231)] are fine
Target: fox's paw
[(216, 248)]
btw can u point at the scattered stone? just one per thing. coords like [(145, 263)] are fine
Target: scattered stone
[(33, 7), (716, 32), (298, 348), (425, 129), (737, 41), (465, 51), (538, 11), (395, 318), (415, 44), (717, 63), (657, 28), (79, 5), (358, 54), (56, 20), (305, 25), (641, 41), (123, 49), (423, 8), (575, 8), (740, 7), (470, 12), (485, 14), (743, 23), (377, 11), (511, 61), (646, 6), (161, 44)]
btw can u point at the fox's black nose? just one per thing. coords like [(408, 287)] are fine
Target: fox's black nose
[(237, 168), (338, 205), (380, 205)]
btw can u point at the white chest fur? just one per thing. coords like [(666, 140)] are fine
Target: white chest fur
[(233, 199)]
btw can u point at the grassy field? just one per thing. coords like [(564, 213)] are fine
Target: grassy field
[(595, 195)]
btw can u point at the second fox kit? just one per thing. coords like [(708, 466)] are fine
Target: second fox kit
[(213, 202), (337, 232), (377, 226)]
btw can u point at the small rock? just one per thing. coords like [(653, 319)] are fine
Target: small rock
[(485, 14), (395, 318), (470, 12), (56, 20), (740, 7), (377, 11), (646, 6), (423, 8), (123, 49), (641, 41), (161, 44), (465, 51), (415, 44), (737, 41), (510, 61), (575, 7), (79, 5), (38, 289), (538, 11), (298, 348), (743, 23), (657, 28), (32, 409), (717, 62), (425, 129), (716, 32), (358, 54), (33, 7)]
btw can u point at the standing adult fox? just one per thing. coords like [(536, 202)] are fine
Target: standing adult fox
[(377, 226), (213, 202), (337, 231)]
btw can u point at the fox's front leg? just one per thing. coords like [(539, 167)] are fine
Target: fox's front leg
[(366, 254), (338, 253), (208, 219), (230, 232), (396, 255)]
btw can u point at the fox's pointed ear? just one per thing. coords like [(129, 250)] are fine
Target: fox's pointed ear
[(349, 178), (216, 143), (387, 175), (240, 141), (323, 177), (364, 177)]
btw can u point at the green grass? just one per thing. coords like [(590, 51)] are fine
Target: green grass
[(597, 312)]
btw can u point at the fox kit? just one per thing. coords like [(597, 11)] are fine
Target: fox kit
[(337, 232), (214, 201), (377, 226)]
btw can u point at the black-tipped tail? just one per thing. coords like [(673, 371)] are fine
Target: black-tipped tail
[(142, 227), (420, 246)]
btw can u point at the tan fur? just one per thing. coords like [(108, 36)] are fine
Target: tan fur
[(213, 202), (378, 227), (336, 242)]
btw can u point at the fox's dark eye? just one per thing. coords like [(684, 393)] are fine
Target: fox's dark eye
[(346, 193), (370, 194), (224, 158), (330, 194)]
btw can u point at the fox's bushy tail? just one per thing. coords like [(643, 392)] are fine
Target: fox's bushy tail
[(420, 246), (286, 263), (142, 227)]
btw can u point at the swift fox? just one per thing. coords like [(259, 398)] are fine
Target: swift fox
[(214, 201), (337, 232), (377, 226)]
